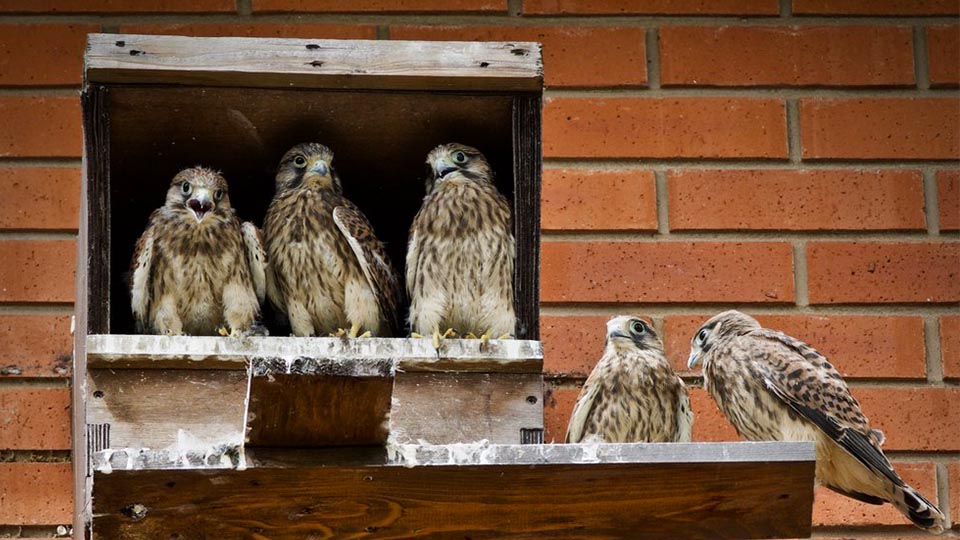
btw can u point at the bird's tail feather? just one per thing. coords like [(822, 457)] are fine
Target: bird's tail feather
[(919, 510)]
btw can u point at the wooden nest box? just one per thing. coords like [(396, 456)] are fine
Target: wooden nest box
[(290, 438)]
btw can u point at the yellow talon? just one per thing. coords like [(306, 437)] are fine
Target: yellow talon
[(484, 341), (416, 335), (470, 335), (223, 331), (505, 336), (365, 335), (339, 333), (354, 328)]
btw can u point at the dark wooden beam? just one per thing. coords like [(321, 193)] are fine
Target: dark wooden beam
[(314, 63), (636, 491)]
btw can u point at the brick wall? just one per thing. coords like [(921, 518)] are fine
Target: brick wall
[(796, 159)]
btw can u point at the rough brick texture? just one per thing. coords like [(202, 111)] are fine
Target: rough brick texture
[(648, 272), (572, 55), (592, 200), (35, 418), (664, 128), (40, 198), (808, 174), (880, 128), (786, 56), (883, 272), (40, 126), (948, 189), (816, 200), (35, 346), (859, 346), (943, 45), (36, 493)]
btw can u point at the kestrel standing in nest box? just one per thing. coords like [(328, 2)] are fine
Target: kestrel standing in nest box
[(461, 253), (329, 272), (773, 387), (196, 269)]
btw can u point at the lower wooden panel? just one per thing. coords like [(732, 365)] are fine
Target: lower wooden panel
[(691, 500)]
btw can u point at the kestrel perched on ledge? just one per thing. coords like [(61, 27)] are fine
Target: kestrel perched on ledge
[(632, 394), (196, 269), (773, 387), (461, 253), (328, 270)]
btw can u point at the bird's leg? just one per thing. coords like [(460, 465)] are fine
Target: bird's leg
[(437, 336), (354, 329)]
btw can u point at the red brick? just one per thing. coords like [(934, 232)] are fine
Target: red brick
[(653, 7), (868, 272), (859, 346), (34, 418), (592, 200), (950, 348), (42, 54), (40, 126), (875, 7), (815, 56), (831, 509), (303, 31), (953, 479), (572, 55), (709, 424), (572, 345), (943, 49), (913, 418), (664, 128), (880, 128), (817, 200), (651, 272), (948, 189), (40, 198), (557, 406), (117, 6), (35, 346), (37, 271), (36, 493), (379, 5)]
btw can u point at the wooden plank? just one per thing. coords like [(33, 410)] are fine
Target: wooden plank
[(318, 63), (96, 150), (527, 168), (309, 403), (699, 491), (409, 354), (465, 407)]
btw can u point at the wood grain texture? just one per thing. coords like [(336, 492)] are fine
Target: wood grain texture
[(301, 63), (96, 154), (527, 170), (705, 492), (407, 354)]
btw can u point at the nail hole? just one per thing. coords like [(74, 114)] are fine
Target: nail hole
[(98, 394), (312, 46), (531, 399), (315, 63), (484, 64), (134, 52), (121, 43)]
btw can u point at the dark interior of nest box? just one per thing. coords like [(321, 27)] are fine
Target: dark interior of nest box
[(380, 141)]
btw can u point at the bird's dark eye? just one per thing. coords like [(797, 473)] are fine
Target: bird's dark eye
[(460, 157), (702, 335), (300, 161), (217, 195), (186, 188), (637, 327)]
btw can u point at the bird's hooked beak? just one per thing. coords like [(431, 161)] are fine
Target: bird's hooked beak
[(200, 203), (317, 171), (692, 361), (618, 334), (443, 167)]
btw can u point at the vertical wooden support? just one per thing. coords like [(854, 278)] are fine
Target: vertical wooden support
[(96, 121), (526, 213)]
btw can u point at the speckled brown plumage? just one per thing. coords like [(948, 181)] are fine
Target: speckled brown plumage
[(632, 395), (773, 387), (195, 268), (461, 253), (328, 270)]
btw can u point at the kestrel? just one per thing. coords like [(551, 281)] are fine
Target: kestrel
[(773, 387), (196, 269), (632, 395), (328, 270), (461, 252)]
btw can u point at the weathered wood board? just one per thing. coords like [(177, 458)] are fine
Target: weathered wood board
[(634, 491), (314, 63)]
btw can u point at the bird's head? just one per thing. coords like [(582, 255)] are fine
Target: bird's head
[(457, 161), (721, 326), (199, 191), (307, 165), (626, 331)]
